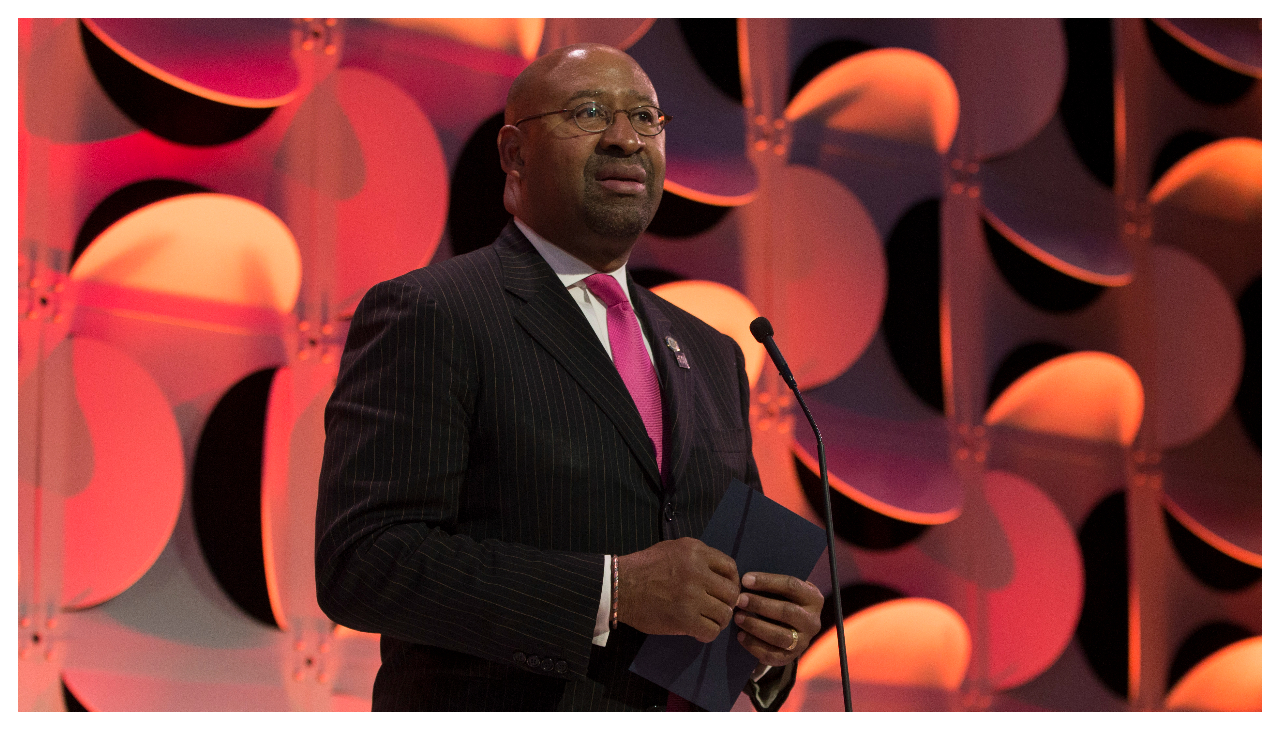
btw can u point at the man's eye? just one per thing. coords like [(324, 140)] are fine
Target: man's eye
[(644, 114), (590, 112)]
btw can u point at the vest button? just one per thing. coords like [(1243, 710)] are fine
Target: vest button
[(669, 511)]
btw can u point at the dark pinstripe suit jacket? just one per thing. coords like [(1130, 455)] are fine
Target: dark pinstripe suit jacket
[(482, 455)]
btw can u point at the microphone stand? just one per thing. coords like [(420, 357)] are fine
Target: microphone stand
[(763, 332)]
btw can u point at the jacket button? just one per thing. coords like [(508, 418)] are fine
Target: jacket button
[(562, 666), (518, 657), (548, 665), (669, 511), (534, 661)]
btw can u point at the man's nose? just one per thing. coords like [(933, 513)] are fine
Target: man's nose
[(621, 135)]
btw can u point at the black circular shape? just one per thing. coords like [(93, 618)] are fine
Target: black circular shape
[(1103, 630), (1177, 148), (1043, 287), (226, 494), (681, 217), (1020, 362), (1213, 567), (1202, 642), (820, 59), (714, 45), (912, 315), (476, 212), (854, 523), (167, 111), (123, 202), (854, 598), (1087, 106), (1197, 76), (649, 277), (1249, 395)]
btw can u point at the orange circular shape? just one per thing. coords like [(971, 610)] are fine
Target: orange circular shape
[(1086, 395), (516, 36), (889, 93), (1229, 680), (833, 275), (204, 245), (108, 444), (725, 309), (912, 642)]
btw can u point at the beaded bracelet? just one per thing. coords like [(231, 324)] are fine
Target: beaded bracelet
[(613, 602)]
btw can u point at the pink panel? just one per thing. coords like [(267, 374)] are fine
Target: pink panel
[(1033, 617), (290, 479), (833, 273), (102, 691), (112, 448), (243, 62), (389, 225)]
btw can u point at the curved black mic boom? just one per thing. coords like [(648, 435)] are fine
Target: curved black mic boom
[(763, 332)]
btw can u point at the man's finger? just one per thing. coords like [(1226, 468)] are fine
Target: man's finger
[(722, 564), (723, 589), (766, 653), (779, 637), (798, 591)]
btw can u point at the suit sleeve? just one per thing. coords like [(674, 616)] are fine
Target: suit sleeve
[(395, 458)]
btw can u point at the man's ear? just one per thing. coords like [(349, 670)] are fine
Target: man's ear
[(510, 150)]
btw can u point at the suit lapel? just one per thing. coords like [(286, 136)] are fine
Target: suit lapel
[(675, 382), (555, 321)]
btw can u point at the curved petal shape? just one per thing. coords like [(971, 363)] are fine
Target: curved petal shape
[(245, 62), (1065, 220), (911, 642), (1199, 346), (1222, 179), (706, 142), (621, 33), (888, 93), (292, 451), (110, 446), (205, 245), (897, 468), (834, 276), (61, 100), (1084, 395), (1229, 680), (515, 36), (1009, 74), (725, 309), (1235, 43)]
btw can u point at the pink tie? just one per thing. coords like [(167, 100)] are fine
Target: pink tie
[(630, 357)]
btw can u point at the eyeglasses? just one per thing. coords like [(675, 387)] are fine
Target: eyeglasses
[(594, 118)]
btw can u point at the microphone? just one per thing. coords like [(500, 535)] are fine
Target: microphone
[(763, 332)]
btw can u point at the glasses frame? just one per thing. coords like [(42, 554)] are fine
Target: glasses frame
[(613, 114)]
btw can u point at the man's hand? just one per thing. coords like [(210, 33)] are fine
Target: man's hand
[(767, 622), (678, 587)]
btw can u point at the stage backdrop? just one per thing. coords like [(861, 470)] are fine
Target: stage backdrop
[(1015, 265)]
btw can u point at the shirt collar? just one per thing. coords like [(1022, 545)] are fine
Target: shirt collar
[(568, 267)]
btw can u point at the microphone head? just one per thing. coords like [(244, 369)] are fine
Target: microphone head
[(760, 329)]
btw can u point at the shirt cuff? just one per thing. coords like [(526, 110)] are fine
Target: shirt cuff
[(606, 600)]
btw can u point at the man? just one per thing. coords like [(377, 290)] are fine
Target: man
[(522, 445)]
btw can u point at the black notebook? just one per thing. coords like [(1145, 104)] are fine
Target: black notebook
[(760, 535)]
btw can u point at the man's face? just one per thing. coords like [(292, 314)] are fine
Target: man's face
[(605, 185)]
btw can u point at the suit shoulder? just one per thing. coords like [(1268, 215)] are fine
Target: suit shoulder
[(450, 279)]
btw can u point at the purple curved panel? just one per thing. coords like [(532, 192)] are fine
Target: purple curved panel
[(1232, 42), (898, 468), (1043, 200), (706, 142)]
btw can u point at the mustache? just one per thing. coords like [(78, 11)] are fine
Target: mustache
[(597, 161)]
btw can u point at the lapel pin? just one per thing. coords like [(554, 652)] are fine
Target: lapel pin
[(681, 360)]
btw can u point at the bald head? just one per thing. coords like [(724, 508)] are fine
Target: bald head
[(528, 93)]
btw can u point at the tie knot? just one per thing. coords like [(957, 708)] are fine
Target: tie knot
[(606, 287)]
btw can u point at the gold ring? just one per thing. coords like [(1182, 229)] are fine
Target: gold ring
[(795, 639)]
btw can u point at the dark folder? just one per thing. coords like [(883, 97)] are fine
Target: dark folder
[(760, 535)]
